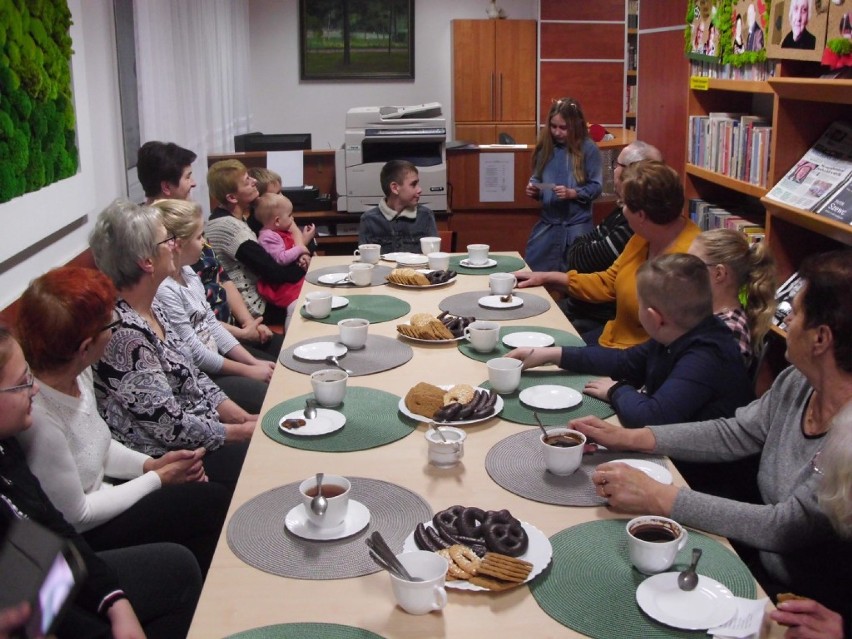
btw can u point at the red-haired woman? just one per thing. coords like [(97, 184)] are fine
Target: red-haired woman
[(66, 319)]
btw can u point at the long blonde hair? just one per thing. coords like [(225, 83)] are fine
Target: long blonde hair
[(835, 462), (578, 131)]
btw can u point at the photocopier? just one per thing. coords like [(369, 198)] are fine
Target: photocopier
[(376, 135)]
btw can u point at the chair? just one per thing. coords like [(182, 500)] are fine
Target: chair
[(505, 138), (448, 241)]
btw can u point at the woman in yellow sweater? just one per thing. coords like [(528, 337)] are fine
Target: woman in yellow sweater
[(652, 196)]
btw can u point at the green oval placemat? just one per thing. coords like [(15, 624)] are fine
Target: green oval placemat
[(505, 264), (515, 411), (590, 585), (302, 630), (376, 308), (372, 419), (563, 338)]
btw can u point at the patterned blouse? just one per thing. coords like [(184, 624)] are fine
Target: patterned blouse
[(737, 321), (213, 276), (150, 394)]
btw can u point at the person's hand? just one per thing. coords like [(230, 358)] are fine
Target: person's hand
[(239, 432), (808, 620), (533, 191), (564, 193), (630, 490), (529, 278), (599, 388), (13, 618), (261, 370), (178, 466), (250, 330), (123, 621), (309, 232), (304, 261), (533, 357), (600, 432), (264, 333)]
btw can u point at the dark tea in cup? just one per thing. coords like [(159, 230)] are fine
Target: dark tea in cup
[(328, 491), (654, 533), (563, 440)]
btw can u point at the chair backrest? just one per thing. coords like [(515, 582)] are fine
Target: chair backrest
[(505, 138)]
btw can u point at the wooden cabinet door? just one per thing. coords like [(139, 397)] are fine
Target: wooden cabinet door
[(515, 68), (477, 133), (474, 79)]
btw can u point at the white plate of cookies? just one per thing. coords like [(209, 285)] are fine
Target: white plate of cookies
[(428, 329), (428, 397), (420, 278)]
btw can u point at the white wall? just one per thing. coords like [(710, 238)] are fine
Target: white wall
[(26, 219), (282, 104)]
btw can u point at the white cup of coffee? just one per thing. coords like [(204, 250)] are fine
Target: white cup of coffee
[(329, 386), (318, 304), (653, 542), (562, 450), (504, 374), (430, 245), (482, 335), (445, 454), (502, 283), (421, 597), (336, 491), (353, 332), (438, 261), (368, 253), (361, 274), (477, 253)]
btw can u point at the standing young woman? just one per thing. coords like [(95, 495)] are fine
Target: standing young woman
[(567, 177)]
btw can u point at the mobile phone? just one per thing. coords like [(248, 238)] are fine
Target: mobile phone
[(42, 568)]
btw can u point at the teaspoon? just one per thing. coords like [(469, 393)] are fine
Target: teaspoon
[(332, 359), (540, 425), (688, 579), (319, 503)]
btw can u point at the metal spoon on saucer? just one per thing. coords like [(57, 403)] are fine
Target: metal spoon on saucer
[(310, 408), (319, 503), (688, 579)]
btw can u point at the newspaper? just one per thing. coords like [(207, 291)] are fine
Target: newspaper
[(824, 168)]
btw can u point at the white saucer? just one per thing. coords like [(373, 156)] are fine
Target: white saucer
[(357, 518), (392, 257), (550, 397), (326, 421), (654, 471), (493, 301), (488, 264), (528, 339), (708, 606), (318, 351), (333, 278), (339, 302), (411, 259)]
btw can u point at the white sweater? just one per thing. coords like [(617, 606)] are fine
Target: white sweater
[(70, 450)]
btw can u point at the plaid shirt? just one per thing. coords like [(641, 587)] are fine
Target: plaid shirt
[(738, 323)]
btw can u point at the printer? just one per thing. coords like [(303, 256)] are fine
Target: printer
[(376, 135)]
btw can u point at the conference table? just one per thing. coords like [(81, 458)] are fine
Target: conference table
[(238, 597)]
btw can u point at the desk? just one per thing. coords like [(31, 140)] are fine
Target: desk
[(237, 597)]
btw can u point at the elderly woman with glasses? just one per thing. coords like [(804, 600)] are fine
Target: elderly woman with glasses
[(149, 391), (65, 321), (795, 546)]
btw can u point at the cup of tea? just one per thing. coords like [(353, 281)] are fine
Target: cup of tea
[(653, 542), (430, 245), (502, 283), (329, 386), (438, 261), (318, 304), (504, 374), (562, 450), (421, 597), (336, 491), (353, 332), (368, 253), (361, 274), (444, 454), (477, 253), (482, 335)]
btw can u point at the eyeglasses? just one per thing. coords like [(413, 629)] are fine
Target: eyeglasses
[(616, 164), (25, 386), (169, 240), (815, 463), (112, 325)]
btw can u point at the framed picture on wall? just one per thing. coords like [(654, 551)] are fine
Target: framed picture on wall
[(356, 39), (799, 29)]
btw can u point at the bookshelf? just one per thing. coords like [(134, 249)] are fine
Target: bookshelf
[(631, 64)]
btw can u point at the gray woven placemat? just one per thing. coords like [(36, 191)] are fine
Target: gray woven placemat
[(562, 338), (372, 419), (306, 630), (516, 411), (256, 532), (379, 272), (376, 308), (590, 585), (467, 304), (379, 354), (516, 464), (505, 264)]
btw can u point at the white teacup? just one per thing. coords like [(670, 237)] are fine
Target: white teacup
[(430, 245), (653, 542), (477, 253), (439, 261), (329, 385), (482, 335), (446, 453), (353, 332), (562, 450), (504, 374), (318, 304), (336, 491), (502, 283), (421, 597), (368, 253), (361, 274)]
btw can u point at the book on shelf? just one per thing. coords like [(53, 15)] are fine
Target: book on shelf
[(838, 206), (784, 299), (731, 144), (824, 170)]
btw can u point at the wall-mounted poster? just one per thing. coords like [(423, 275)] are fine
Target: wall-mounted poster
[(748, 32), (838, 45), (798, 29), (704, 42)]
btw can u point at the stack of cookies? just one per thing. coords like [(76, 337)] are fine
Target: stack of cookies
[(425, 326), (493, 572)]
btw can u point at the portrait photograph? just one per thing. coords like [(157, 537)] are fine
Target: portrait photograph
[(704, 32), (799, 29)]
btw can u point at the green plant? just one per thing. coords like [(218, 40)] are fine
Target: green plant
[(839, 46)]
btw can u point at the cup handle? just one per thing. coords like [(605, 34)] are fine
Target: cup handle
[(467, 333), (356, 253), (308, 307), (440, 598), (514, 281), (683, 541)]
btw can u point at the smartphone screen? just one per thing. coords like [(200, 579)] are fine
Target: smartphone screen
[(54, 592)]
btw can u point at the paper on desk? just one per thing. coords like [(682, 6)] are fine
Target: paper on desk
[(746, 623), (290, 165)]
